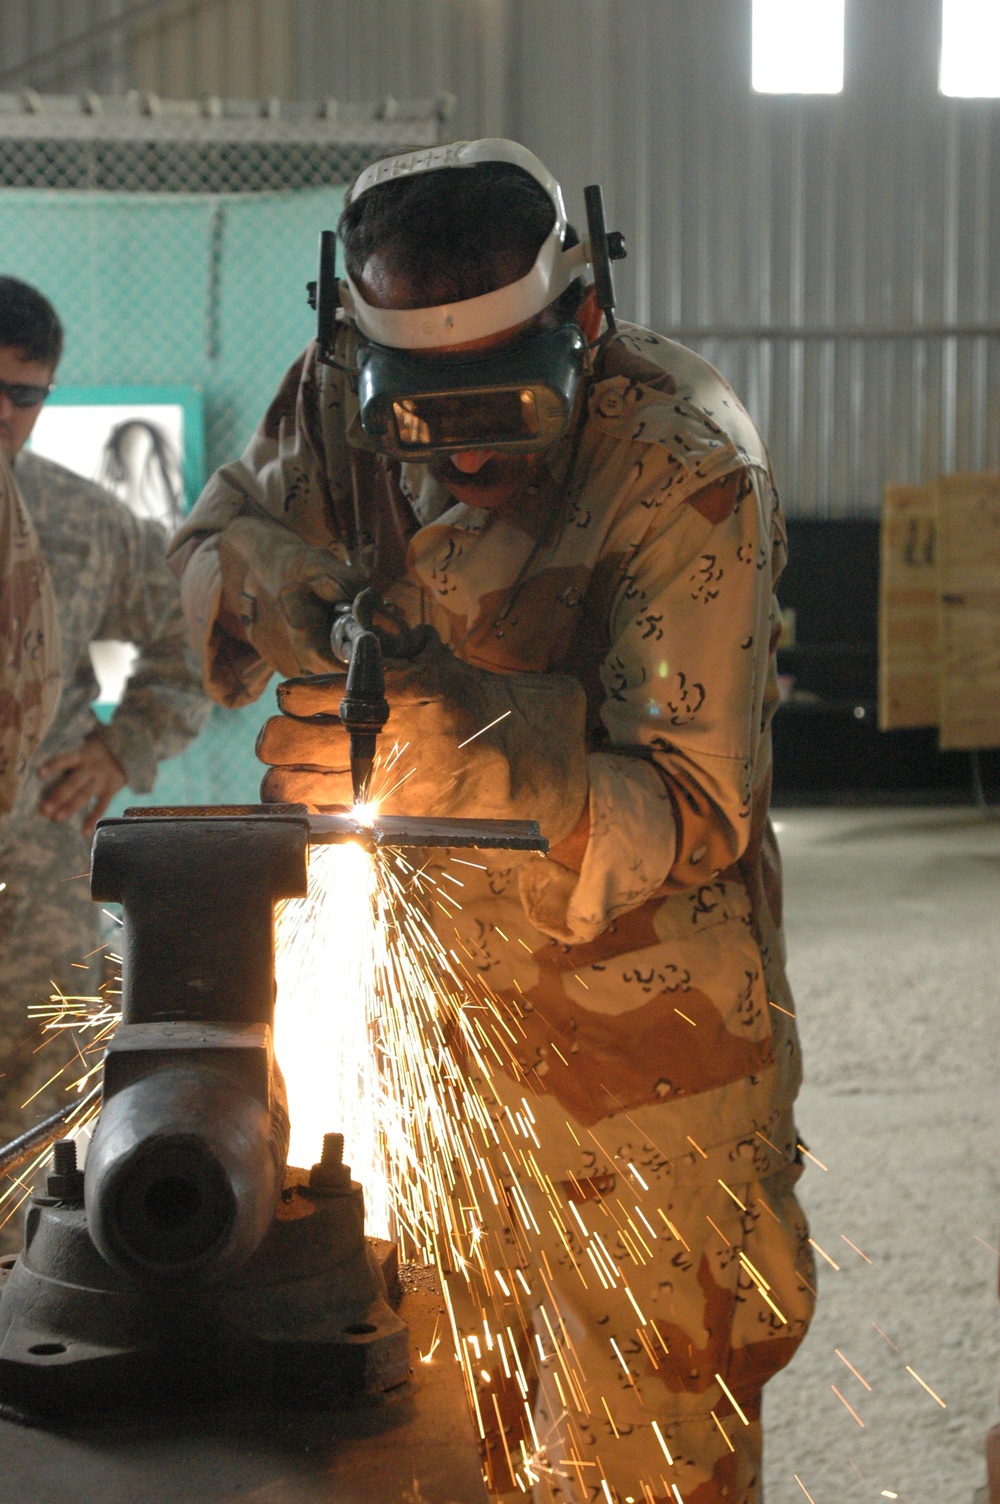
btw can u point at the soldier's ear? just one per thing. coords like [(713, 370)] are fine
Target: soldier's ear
[(588, 315)]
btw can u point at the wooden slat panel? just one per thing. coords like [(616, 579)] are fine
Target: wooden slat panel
[(908, 649), (969, 578)]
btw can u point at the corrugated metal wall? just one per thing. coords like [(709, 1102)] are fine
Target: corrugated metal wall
[(797, 242)]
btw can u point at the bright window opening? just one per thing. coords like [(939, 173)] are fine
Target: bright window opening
[(970, 48), (798, 46)]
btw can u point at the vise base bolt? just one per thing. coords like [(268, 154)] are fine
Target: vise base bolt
[(331, 1176), (65, 1183)]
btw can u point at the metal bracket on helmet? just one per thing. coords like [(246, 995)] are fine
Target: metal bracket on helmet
[(323, 295), (605, 246)]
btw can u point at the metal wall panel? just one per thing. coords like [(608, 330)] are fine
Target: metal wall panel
[(838, 257), (829, 228)]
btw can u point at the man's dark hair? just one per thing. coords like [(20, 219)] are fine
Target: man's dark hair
[(29, 323), (455, 233)]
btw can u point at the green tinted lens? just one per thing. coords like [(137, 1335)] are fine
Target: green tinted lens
[(477, 420)]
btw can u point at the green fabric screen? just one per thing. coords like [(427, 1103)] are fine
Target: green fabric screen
[(179, 290)]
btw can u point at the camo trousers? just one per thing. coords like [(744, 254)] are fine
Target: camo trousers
[(47, 923), (651, 1326)]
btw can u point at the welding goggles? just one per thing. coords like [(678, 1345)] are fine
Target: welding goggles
[(514, 399), (418, 395)]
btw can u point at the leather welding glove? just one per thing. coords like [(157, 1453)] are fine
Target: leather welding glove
[(474, 744), (282, 591)]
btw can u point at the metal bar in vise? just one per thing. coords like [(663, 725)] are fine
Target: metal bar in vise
[(382, 832), (35, 1139), (408, 831)]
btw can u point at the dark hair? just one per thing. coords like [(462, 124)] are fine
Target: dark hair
[(29, 323), (455, 233)]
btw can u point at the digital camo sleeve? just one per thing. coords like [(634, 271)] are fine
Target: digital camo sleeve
[(29, 642), (163, 706)]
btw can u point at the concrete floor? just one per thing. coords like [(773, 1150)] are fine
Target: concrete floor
[(893, 921)]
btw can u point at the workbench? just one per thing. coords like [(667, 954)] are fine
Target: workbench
[(413, 1446)]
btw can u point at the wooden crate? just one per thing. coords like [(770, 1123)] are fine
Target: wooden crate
[(969, 610), (909, 610)]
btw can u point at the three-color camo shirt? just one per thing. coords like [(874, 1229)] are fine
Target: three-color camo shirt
[(655, 1023)]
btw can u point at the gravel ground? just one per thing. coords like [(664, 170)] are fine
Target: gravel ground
[(894, 946)]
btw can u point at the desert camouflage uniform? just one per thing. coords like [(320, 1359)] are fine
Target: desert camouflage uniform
[(110, 581), (656, 1048), (29, 642)]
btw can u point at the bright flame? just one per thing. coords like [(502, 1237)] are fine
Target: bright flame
[(323, 961)]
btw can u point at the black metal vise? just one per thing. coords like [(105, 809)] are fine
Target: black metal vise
[(188, 1259)]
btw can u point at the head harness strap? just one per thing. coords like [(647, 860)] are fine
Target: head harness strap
[(492, 312)]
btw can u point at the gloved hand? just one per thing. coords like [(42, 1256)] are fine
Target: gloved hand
[(371, 611), (530, 764), (282, 590)]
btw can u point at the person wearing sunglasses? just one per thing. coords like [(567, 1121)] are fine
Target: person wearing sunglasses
[(576, 526), (109, 580)]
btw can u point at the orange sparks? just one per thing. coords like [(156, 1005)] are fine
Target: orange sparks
[(987, 1245), (887, 1338), (663, 1444), (481, 732), (857, 1250), (686, 1019), (853, 1370), (730, 1396), (803, 1488), (722, 1431), (696, 1146), (718, 1230), (930, 1391), (732, 1193), (848, 1406), (823, 1254), (672, 1229), (802, 1148), (435, 1343)]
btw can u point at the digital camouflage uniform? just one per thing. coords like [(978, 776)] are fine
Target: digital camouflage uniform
[(110, 581), (29, 642), (657, 1046)]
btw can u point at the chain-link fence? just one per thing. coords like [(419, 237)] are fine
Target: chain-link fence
[(176, 240)]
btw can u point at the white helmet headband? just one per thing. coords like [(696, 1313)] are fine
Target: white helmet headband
[(493, 312)]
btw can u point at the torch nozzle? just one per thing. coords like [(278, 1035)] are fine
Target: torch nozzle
[(364, 709)]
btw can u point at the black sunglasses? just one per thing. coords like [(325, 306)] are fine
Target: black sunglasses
[(22, 394)]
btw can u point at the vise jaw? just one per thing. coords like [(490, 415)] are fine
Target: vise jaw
[(198, 1263)]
